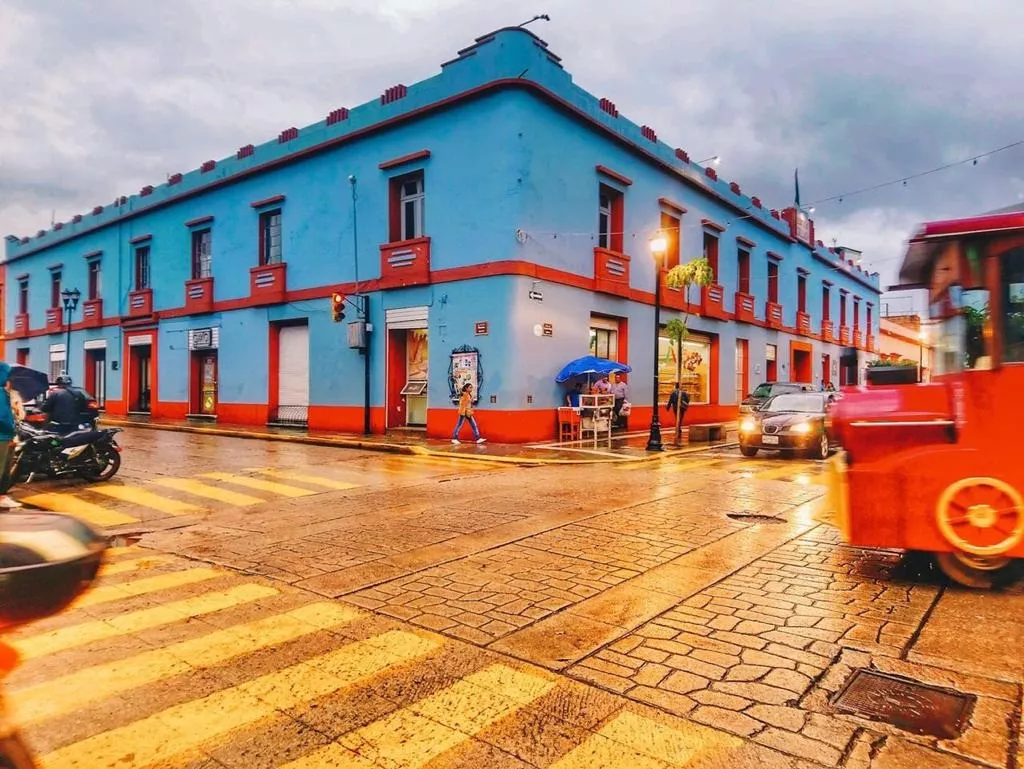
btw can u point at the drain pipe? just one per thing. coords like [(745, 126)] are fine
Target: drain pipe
[(363, 313)]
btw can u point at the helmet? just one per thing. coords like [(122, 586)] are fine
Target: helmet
[(63, 381)]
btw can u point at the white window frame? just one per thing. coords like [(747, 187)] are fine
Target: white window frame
[(604, 219), (414, 201)]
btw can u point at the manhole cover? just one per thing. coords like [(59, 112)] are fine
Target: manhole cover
[(755, 518), (910, 705)]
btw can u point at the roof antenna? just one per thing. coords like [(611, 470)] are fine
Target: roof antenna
[(538, 17)]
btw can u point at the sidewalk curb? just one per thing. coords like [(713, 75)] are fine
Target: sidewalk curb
[(401, 448)]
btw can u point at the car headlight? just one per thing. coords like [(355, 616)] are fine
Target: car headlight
[(748, 425), (801, 429)]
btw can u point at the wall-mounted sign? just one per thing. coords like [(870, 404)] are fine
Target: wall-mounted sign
[(465, 368), (480, 328), (536, 296), (202, 339), (548, 329)]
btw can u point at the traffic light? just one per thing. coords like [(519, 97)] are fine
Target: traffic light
[(338, 307)]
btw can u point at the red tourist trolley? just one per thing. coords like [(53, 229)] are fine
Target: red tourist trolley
[(939, 467)]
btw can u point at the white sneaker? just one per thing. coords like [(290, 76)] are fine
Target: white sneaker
[(456, 441), (480, 440), (7, 502)]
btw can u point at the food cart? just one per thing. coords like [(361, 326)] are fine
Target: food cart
[(937, 467)]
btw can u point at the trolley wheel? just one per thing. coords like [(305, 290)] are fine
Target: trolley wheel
[(981, 516), (979, 572), (748, 451)]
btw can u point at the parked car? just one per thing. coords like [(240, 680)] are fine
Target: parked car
[(88, 412), (791, 422), (767, 390)]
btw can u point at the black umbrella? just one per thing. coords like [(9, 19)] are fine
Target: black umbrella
[(28, 382)]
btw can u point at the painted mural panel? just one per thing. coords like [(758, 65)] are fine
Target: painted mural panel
[(696, 380)]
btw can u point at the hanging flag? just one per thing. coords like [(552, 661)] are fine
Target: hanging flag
[(796, 185)]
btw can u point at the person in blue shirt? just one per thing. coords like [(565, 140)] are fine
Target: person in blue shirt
[(573, 398), (7, 432)]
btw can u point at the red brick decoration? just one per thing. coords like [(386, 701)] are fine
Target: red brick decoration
[(607, 105), (287, 135), (648, 133), (147, 190), (394, 93), (735, 187), (711, 173), (208, 166), (337, 115), (682, 155), (76, 218), (174, 179), (58, 226), (245, 152), (756, 201)]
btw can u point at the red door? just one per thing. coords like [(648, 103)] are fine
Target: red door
[(208, 384), (826, 370)]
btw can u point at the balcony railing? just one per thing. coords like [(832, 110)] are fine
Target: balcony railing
[(21, 324), (92, 312), (711, 301), (140, 303), (268, 284), (857, 337), (828, 331), (844, 335), (672, 298), (773, 314), (745, 307), (803, 323), (611, 272), (406, 262), (869, 344), (199, 295), (54, 320)]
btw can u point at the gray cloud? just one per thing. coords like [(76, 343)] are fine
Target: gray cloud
[(104, 97)]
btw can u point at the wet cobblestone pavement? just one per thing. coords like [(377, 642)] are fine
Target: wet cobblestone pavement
[(698, 611)]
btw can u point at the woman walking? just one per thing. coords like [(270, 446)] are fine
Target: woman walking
[(466, 414)]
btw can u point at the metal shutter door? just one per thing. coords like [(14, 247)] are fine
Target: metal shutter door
[(293, 373)]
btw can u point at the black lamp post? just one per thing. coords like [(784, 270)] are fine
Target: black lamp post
[(70, 299), (922, 337), (658, 247)]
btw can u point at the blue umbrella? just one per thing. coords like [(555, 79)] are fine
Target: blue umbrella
[(28, 382), (590, 365)]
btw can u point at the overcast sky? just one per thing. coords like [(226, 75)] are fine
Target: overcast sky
[(99, 98)]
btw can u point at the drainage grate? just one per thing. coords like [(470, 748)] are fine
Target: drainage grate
[(755, 518), (910, 705)]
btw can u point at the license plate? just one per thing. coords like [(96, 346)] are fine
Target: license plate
[(770, 440)]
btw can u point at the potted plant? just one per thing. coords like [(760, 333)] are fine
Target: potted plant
[(892, 369)]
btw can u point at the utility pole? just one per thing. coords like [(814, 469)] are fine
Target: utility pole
[(362, 312)]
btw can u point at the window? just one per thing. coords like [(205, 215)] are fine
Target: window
[(696, 367), (826, 304), (801, 293), (610, 211), (95, 284), (711, 254), (670, 231), (55, 288), (141, 267), (1013, 306), (856, 314), (842, 309), (23, 296), (270, 237), (58, 361), (867, 319), (773, 282), (202, 254), (743, 270), (771, 364), (407, 218), (604, 343)]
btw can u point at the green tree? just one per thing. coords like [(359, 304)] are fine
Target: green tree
[(696, 272)]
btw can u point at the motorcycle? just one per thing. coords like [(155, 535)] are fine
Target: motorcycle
[(47, 560), (92, 454)]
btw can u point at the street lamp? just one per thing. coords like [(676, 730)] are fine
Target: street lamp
[(659, 245), (716, 159), (70, 299)]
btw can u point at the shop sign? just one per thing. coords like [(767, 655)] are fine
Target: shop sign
[(548, 329), (480, 329), (202, 339)]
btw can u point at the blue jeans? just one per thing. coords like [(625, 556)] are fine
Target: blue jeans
[(461, 422)]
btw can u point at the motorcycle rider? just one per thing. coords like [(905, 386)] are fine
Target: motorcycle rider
[(7, 432), (63, 407)]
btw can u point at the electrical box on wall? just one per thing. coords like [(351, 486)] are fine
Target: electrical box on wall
[(357, 331)]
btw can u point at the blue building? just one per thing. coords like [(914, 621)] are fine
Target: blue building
[(493, 221)]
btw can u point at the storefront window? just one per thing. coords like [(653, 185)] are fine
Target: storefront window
[(696, 380), (604, 343), (1013, 306)]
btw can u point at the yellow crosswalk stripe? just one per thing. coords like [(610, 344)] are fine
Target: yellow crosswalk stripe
[(106, 593), (136, 564), (312, 480), (198, 489), (145, 498), (636, 741), (84, 633), (75, 690), (174, 735), (419, 733), (261, 485), (87, 511)]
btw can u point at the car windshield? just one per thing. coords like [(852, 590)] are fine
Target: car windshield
[(762, 391), (803, 402)]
